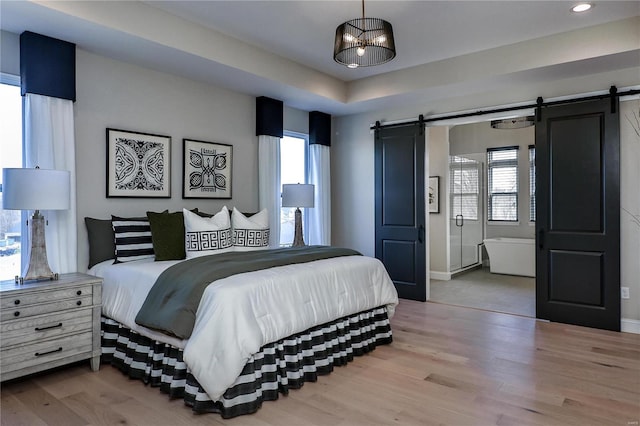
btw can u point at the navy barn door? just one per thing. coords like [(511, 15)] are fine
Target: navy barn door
[(400, 207), (578, 214)]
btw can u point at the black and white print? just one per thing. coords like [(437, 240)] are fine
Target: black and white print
[(251, 238), (208, 240), (138, 164), (207, 169)]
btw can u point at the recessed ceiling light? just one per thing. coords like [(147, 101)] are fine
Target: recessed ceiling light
[(582, 7)]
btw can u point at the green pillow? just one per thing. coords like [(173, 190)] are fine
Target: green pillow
[(102, 244), (167, 235)]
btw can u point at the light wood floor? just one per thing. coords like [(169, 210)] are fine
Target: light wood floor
[(447, 365)]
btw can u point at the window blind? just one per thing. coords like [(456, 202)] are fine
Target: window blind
[(532, 183), (502, 184), (464, 184)]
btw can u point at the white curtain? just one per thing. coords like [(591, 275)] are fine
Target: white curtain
[(269, 183), (49, 143), (319, 232)]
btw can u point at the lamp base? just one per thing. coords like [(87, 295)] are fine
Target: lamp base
[(38, 268), (298, 239)]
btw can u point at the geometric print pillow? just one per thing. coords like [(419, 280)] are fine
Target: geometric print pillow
[(207, 235), (250, 233), (132, 238)]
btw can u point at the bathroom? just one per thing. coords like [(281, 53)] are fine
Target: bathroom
[(472, 225)]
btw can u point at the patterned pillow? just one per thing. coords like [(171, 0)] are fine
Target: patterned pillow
[(133, 238), (207, 235), (250, 233)]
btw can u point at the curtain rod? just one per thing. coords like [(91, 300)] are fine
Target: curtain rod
[(613, 93)]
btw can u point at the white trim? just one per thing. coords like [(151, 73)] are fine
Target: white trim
[(630, 325), (10, 79), (503, 223), (438, 275)]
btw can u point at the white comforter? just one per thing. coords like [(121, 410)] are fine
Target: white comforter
[(240, 314)]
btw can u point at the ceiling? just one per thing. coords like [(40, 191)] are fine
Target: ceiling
[(283, 49)]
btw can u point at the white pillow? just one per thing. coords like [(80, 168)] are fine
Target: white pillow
[(250, 233), (207, 235)]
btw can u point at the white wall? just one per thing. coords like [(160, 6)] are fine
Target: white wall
[(119, 95), (9, 53), (630, 203), (438, 146), (475, 138), (352, 184), (296, 120)]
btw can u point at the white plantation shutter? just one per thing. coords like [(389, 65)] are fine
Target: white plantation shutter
[(532, 183), (502, 180), (464, 187)]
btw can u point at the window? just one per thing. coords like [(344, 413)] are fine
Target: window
[(465, 187), (532, 183), (10, 156), (293, 169), (502, 171)]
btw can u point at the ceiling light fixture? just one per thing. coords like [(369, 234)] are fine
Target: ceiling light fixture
[(513, 123), (364, 42), (582, 7)]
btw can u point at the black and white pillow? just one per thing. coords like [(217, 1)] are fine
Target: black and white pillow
[(132, 238), (207, 235), (250, 233)]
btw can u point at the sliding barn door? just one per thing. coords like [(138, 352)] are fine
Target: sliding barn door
[(578, 214), (400, 207)]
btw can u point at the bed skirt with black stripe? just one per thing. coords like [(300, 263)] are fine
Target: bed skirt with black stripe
[(275, 369)]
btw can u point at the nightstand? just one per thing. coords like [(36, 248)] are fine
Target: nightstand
[(45, 324)]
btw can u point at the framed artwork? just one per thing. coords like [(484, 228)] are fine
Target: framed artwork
[(138, 164), (434, 194), (207, 169)]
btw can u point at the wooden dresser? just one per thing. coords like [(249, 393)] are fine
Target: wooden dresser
[(46, 324)]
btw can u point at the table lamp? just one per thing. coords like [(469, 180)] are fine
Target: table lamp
[(36, 189), (297, 195)]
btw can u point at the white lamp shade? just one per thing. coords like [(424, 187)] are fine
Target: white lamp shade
[(297, 195), (35, 189)]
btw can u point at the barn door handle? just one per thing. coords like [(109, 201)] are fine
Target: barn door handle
[(541, 239), (420, 234)]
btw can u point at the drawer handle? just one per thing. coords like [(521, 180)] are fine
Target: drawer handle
[(79, 292), (16, 302), (79, 302), (49, 327), (50, 352), (16, 314)]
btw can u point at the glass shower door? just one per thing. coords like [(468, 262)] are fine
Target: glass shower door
[(466, 212)]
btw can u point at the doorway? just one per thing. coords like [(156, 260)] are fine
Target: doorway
[(465, 279)]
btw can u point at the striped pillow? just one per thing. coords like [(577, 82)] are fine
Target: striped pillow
[(133, 238)]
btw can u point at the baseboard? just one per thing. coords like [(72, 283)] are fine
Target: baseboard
[(437, 275), (630, 325)]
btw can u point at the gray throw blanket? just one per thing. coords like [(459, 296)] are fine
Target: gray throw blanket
[(172, 303)]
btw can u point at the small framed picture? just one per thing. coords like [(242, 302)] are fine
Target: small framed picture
[(138, 164), (434, 194), (207, 169)]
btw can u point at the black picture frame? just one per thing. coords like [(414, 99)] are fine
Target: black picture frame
[(138, 164), (207, 170), (434, 194)]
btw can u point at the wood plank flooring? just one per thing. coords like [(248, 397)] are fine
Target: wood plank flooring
[(447, 365)]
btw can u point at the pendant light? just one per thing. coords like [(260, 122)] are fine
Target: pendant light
[(364, 42)]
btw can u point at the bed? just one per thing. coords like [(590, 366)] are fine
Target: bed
[(256, 334)]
